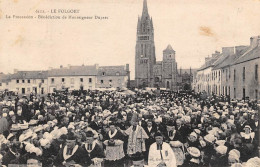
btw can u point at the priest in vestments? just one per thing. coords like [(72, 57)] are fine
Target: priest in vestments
[(71, 153), (161, 154), (93, 150), (136, 137)]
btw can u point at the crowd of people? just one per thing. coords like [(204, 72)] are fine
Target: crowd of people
[(122, 129)]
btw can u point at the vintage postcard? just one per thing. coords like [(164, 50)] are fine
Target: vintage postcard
[(129, 82)]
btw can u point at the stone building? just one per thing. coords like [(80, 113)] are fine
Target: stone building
[(113, 77), (148, 71), (4, 81), (246, 73), (25, 82), (185, 79), (145, 50), (71, 77), (165, 71), (235, 72)]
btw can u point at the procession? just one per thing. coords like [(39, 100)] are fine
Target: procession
[(112, 128), (120, 84)]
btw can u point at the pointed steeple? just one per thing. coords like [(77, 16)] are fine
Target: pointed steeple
[(169, 48), (151, 22), (145, 8), (138, 23)]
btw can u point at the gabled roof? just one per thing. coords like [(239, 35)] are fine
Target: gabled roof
[(228, 61), (250, 54), (30, 75), (169, 47), (74, 71), (219, 61), (5, 77), (112, 70)]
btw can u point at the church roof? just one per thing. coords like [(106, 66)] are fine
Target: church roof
[(145, 8), (169, 48)]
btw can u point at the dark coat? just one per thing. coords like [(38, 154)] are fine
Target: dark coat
[(10, 158), (79, 157), (97, 152)]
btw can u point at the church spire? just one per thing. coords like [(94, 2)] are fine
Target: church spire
[(145, 8), (151, 22)]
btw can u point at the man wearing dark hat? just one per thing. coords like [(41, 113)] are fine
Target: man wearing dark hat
[(171, 133), (161, 154), (138, 160), (92, 150), (13, 155), (71, 153), (150, 130)]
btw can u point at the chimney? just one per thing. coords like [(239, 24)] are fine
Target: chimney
[(127, 67), (251, 41), (96, 66), (69, 66), (254, 41), (15, 70), (228, 51), (61, 66)]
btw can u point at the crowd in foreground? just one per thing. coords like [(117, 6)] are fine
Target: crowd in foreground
[(113, 128)]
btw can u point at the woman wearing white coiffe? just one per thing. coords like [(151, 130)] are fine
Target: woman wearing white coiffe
[(161, 154)]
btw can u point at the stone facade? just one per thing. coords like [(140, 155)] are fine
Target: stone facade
[(246, 73), (235, 72), (25, 82), (71, 77), (148, 71), (145, 50), (113, 77)]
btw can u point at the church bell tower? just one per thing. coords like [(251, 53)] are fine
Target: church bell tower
[(144, 50)]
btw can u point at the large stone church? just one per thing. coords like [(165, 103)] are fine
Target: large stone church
[(148, 71)]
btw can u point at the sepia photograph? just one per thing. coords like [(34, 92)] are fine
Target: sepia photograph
[(129, 83)]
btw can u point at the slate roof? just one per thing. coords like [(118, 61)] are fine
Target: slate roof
[(112, 70), (5, 77), (74, 71), (228, 61), (169, 48), (252, 53), (30, 75)]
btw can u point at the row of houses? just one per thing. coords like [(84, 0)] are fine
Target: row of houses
[(233, 72), (71, 77)]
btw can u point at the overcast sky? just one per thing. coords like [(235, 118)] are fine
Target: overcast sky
[(194, 28)]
